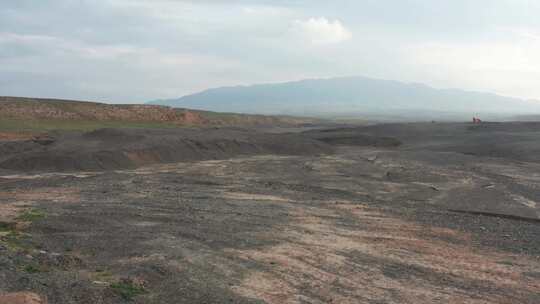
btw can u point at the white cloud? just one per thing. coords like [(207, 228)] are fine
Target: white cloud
[(320, 31)]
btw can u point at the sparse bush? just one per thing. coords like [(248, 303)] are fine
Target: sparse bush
[(31, 268), (31, 215), (127, 290)]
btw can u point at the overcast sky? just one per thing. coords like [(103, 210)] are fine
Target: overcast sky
[(135, 51)]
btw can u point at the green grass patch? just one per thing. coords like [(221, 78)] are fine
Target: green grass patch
[(31, 215), (127, 290), (7, 227), (16, 241), (103, 275), (32, 268)]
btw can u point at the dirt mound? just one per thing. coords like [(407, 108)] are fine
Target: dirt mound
[(111, 149), (112, 135), (352, 137)]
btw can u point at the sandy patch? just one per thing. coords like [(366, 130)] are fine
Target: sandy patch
[(21, 298), (253, 197), (47, 175), (524, 201)]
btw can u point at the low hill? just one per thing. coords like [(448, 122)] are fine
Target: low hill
[(30, 114), (33, 109), (352, 96)]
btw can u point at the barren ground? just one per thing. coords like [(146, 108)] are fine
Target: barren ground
[(427, 222)]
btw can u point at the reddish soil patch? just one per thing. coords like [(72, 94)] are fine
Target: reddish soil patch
[(193, 118), (15, 136), (141, 158), (21, 298)]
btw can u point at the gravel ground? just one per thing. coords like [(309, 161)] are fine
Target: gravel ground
[(358, 225)]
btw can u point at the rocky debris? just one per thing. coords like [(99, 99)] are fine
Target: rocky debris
[(43, 139), (58, 260), (21, 298), (372, 158)]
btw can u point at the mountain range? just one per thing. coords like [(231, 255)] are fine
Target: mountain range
[(355, 96)]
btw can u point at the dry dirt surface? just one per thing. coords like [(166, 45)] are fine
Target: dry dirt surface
[(420, 222)]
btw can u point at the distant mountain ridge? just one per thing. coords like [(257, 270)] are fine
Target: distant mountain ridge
[(350, 95)]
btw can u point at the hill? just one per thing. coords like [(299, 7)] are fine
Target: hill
[(351, 96), (33, 114)]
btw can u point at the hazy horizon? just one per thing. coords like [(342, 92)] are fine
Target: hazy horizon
[(135, 51)]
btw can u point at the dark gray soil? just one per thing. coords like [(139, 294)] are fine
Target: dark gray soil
[(319, 217), (111, 149), (514, 140)]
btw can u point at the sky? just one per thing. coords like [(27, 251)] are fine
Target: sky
[(130, 51)]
